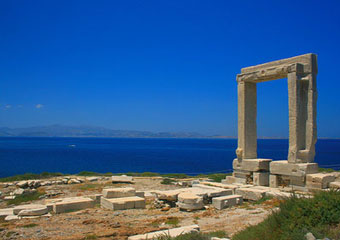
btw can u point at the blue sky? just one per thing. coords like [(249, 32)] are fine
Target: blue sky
[(160, 65)]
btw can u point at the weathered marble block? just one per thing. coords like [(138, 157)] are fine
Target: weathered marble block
[(34, 207), (118, 192), (190, 201), (60, 205), (122, 179), (252, 165), (170, 195), (283, 167), (335, 185), (251, 193), (273, 181), (319, 180), (123, 203), (261, 178), (227, 201)]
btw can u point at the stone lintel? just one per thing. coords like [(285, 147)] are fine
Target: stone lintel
[(302, 65), (272, 73), (283, 167), (305, 59), (252, 165)]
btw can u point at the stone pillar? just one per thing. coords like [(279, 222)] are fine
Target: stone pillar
[(295, 131), (247, 110), (308, 154), (302, 96)]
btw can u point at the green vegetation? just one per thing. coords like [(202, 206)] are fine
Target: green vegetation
[(89, 186), (262, 200), (195, 236), (91, 174), (25, 198), (327, 170), (29, 176), (217, 177), (298, 216), (90, 236), (176, 175), (31, 225), (167, 181), (172, 221)]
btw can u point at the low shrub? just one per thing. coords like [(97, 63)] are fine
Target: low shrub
[(216, 177), (195, 236), (30, 225), (29, 176), (167, 181), (298, 216), (172, 221)]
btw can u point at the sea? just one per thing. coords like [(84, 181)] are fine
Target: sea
[(20, 155)]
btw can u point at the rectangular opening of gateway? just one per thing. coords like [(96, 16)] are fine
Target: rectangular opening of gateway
[(272, 119)]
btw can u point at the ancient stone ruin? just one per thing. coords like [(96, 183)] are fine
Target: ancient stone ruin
[(302, 96)]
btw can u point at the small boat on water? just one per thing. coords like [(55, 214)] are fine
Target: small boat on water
[(72, 145)]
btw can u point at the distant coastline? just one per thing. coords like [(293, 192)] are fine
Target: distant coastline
[(100, 132)]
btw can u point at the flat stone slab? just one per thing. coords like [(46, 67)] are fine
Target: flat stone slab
[(118, 192), (283, 167), (171, 232), (227, 201), (240, 185), (122, 179), (33, 207), (33, 211), (251, 193), (170, 195), (62, 205), (278, 195), (93, 179), (252, 165), (220, 185), (12, 217), (209, 191), (122, 203), (6, 211)]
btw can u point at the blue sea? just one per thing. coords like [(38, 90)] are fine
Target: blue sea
[(118, 155)]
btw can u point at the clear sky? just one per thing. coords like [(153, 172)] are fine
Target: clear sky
[(160, 65)]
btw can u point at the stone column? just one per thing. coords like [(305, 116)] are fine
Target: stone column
[(247, 110), (308, 153), (297, 114), (302, 113), (311, 133)]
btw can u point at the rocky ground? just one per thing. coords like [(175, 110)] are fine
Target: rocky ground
[(98, 223)]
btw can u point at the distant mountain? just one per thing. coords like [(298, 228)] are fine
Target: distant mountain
[(89, 131)]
